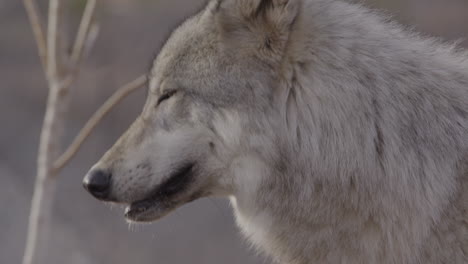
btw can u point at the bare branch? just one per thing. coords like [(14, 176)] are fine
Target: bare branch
[(83, 30), (73, 73), (52, 40), (91, 39), (116, 98), (40, 216), (37, 27), (52, 130)]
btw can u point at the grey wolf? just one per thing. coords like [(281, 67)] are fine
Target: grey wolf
[(338, 136)]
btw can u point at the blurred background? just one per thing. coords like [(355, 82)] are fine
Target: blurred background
[(131, 32)]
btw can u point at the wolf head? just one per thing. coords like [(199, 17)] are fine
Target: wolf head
[(210, 123)]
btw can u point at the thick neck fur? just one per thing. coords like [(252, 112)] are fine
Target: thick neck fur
[(372, 141)]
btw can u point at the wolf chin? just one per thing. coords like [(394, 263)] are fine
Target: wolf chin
[(338, 136)]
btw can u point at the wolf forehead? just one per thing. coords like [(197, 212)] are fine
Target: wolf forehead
[(197, 59), (188, 54)]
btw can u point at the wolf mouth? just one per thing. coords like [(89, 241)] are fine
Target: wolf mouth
[(163, 199)]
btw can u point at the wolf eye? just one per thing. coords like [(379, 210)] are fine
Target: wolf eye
[(166, 96)]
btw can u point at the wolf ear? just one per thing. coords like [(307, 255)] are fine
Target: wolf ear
[(257, 27)]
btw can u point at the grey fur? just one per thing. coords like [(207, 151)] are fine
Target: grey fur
[(338, 136)]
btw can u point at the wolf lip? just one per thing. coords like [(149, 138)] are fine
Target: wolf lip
[(161, 201), (138, 211), (135, 209)]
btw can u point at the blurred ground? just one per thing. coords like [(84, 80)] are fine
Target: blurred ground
[(86, 231)]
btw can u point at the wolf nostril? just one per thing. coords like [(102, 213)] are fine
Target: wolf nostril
[(97, 182)]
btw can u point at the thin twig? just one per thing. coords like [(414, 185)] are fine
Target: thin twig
[(90, 40), (83, 29), (37, 27), (52, 40), (89, 43), (116, 98)]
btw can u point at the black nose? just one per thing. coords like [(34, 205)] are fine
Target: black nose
[(97, 182)]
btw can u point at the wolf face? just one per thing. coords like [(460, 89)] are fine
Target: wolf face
[(214, 82)]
